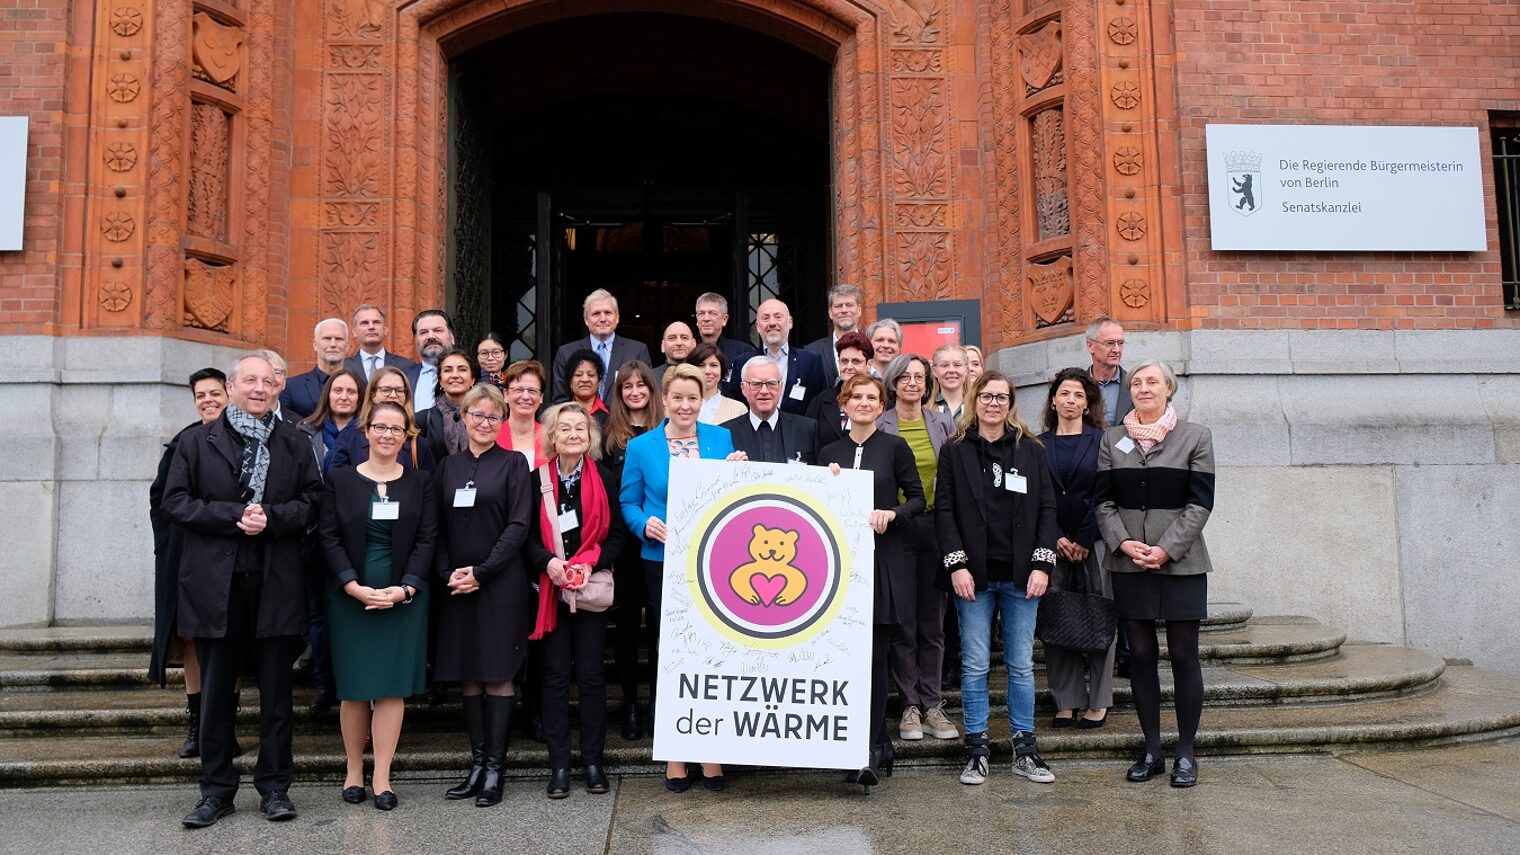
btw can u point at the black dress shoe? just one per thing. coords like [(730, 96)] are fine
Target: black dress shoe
[(596, 779), (559, 783), (386, 801), (1059, 722), (208, 812), (322, 703), (1146, 768), (1085, 723), (633, 726), (276, 807), (1184, 772), (353, 795)]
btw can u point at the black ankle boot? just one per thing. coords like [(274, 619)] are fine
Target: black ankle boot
[(474, 725), (192, 744), (498, 717)]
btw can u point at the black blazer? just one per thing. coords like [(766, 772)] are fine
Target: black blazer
[(202, 495), (624, 349), (1076, 511), (960, 510), (613, 544), (803, 366), (824, 347), (302, 392), (799, 438), (893, 472), (344, 520), (353, 449), (738, 353), (168, 543), (355, 364), (828, 416)]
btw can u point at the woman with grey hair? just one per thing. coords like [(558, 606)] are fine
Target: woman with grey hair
[(886, 341), (1154, 492)]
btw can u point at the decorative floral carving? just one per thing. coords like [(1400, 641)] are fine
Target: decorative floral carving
[(1128, 160), (923, 265), (1084, 126), (927, 216), (121, 156), (1135, 293), (208, 294), (914, 21), (126, 21), (1052, 291), (352, 214), (353, 56), (168, 134), (919, 164), (1131, 225), (206, 211), (1040, 56), (115, 296), (216, 50), (354, 126), (1004, 291), (1122, 31), (356, 19), (123, 87), (917, 61), (118, 226), (1125, 94), (1048, 142), (350, 269)]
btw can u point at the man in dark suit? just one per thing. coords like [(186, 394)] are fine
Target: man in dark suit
[(370, 329), (302, 392), (712, 319), (433, 333), (600, 311), (1105, 342), (243, 489), (844, 316), (765, 433), (801, 370)]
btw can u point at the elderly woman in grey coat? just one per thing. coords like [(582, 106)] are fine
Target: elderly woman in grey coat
[(1154, 493)]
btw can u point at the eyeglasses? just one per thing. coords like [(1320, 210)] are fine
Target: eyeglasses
[(994, 398), (390, 391), (484, 418), (490, 354), (911, 378), (852, 360), (1108, 342), (523, 390), (772, 385), (388, 430)]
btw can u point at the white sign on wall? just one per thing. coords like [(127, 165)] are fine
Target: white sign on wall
[(1340, 187), (12, 180), (765, 635)]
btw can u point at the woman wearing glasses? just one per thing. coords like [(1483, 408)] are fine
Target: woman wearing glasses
[(995, 514), (491, 355), (387, 384), (486, 604), (523, 385), (378, 522)]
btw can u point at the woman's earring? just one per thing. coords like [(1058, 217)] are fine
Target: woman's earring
[(1084, 412)]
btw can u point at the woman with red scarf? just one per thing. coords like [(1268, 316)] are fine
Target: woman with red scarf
[(578, 489)]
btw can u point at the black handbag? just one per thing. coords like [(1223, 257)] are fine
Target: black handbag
[(1077, 619)]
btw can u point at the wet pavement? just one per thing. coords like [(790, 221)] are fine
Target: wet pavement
[(1462, 798)]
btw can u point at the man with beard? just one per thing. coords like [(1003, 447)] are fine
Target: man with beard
[(844, 316), (434, 333), (712, 319), (243, 488), (330, 343)]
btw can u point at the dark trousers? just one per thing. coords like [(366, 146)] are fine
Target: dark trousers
[(654, 586), (317, 580), (918, 646), (575, 643), (628, 630), (223, 660), (881, 643)]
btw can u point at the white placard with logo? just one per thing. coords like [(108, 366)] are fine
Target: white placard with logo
[(765, 633), (1340, 187), (12, 180)]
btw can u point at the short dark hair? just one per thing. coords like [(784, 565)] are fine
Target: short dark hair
[(207, 374), (705, 351), (428, 313)]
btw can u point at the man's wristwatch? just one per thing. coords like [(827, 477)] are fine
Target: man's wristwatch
[(408, 593)]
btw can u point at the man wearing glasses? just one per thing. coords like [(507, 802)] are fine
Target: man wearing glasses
[(765, 433), (1105, 341)]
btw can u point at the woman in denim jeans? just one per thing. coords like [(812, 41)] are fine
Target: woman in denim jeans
[(995, 515)]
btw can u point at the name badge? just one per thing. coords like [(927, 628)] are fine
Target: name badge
[(1125, 445), (798, 393), (385, 510), (464, 497), (1015, 483), (568, 521)]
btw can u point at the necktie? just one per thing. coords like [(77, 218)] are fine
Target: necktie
[(602, 349), (374, 365)]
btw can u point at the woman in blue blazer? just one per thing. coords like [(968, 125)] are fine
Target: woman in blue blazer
[(646, 483), (1073, 433)]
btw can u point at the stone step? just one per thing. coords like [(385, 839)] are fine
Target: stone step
[(1359, 671), (1259, 640), (1226, 616), (1467, 703)]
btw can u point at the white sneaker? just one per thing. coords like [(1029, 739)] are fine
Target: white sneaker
[(938, 724), (912, 725), (1031, 766), (975, 771)]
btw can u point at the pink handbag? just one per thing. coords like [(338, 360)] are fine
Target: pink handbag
[(596, 594)]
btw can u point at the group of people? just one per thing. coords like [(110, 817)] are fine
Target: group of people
[(417, 524)]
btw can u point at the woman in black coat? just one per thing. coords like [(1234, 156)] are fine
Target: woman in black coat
[(995, 514), (854, 355), (209, 388), (486, 603), (1073, 432), (894, 474)]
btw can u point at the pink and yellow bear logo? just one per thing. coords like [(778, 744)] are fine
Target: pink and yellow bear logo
[(769, 579)]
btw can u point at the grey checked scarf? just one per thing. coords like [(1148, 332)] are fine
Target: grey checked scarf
[(255, 432)]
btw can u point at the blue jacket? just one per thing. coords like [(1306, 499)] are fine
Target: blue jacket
[(646, 478)]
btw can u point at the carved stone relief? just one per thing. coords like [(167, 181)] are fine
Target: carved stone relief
[(1048, 137), (206, 212), (126, 21), (1125, 95), (216, 51), (118, 226), (115, 296), (1052, 292), (1131, 225), (208, 294), (1040, 55), (121, 157), (123, 88), (1122, 31), (1128, 160), (1135, 293), (914, 21)]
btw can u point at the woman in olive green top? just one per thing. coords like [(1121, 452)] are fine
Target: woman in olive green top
[(378, 524), (918, 647)]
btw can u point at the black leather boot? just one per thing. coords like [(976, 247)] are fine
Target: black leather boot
[(192, 744), (474, 725), (498, 717)]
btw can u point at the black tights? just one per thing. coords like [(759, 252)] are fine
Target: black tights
[(1144, 680)]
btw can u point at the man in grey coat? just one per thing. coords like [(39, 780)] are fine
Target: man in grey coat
[(1105, 342)]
